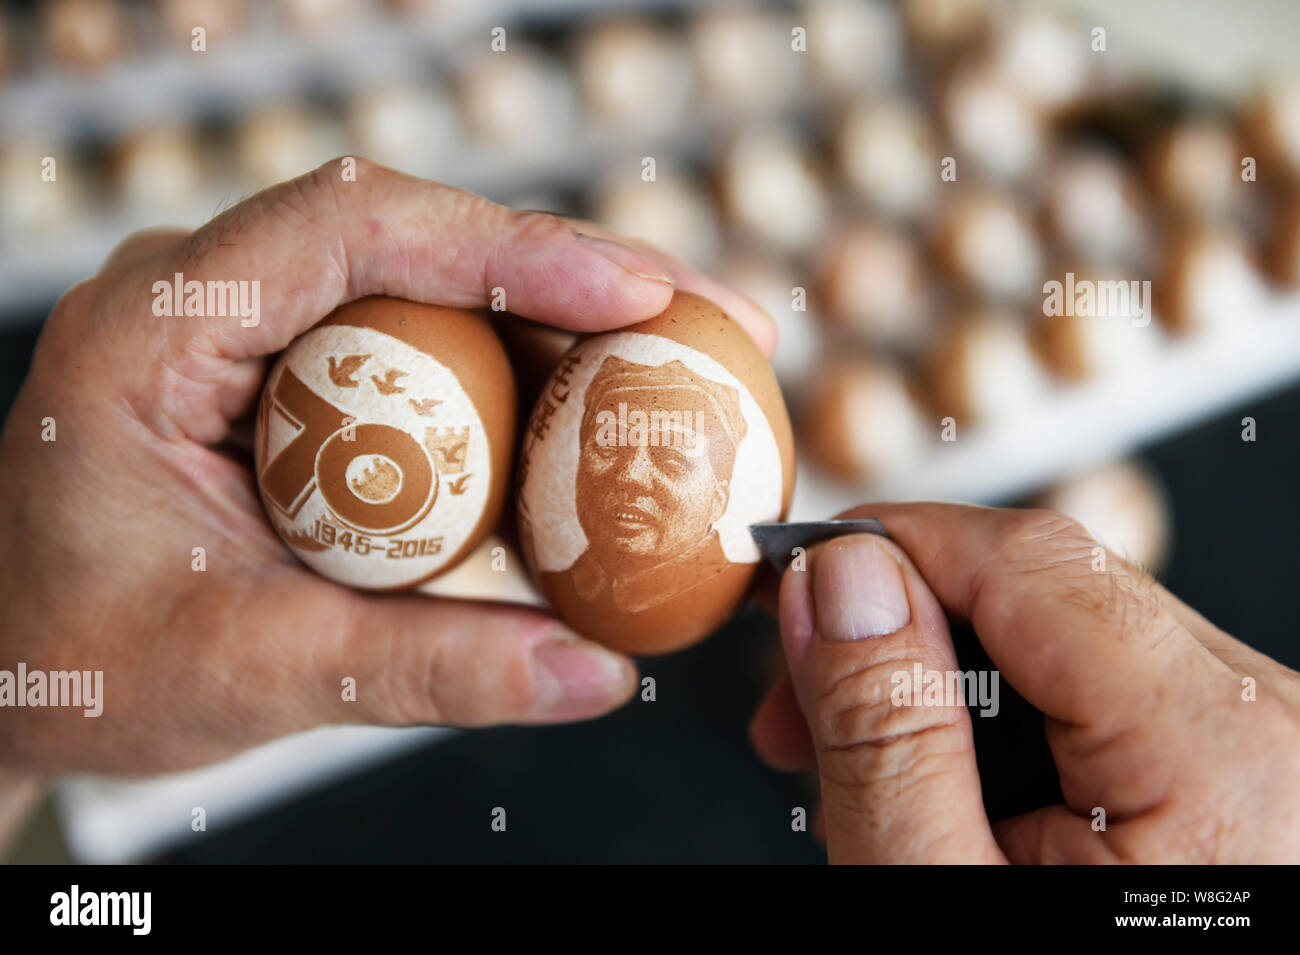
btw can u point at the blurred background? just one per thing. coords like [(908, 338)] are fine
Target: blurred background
[(893, 181)]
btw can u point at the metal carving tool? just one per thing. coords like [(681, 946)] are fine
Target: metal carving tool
[(777, 540)]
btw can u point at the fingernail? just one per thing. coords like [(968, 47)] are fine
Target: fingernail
[(858, 590), (577, 679), (628, 259)]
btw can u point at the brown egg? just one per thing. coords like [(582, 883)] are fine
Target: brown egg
[(85, 34), (984, 370), (1123, 505), (1094, 207), (633, 76), (770, 188), (1209, 282), (416, 8), (743, 58), (648, 456), (284, 140), (384, 439), (1096, 323), (672, 212), (31, 203), (1274, 125), (1046, 59), (853, 45), (1195, 169), (158, 169), (888, 153), (937, 27), (520, 101), (988, 244), (314, 18), (776, 288), (994, 127), (409, 126), (1284, 244), (861, 423), (874, 284), (221, 20)]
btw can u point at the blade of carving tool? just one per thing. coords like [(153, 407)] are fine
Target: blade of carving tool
[(777, 540)]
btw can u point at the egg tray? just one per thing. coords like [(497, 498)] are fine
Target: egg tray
[(324, 70)]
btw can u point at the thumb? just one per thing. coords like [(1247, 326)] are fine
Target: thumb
[(899, 781)]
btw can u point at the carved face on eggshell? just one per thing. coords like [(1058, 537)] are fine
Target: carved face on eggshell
[(649, 453), (383, 441)]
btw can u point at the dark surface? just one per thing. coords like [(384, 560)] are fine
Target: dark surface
[(677, 781), (670, 781), (1236, 520), (16, 346)]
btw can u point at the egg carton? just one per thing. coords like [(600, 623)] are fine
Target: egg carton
[(270, 57), (197, 132)]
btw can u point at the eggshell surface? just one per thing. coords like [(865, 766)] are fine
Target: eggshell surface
[(648, 455), (383, 441)]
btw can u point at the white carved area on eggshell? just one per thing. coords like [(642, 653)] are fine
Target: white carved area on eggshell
[(453, 517), (548, 489)]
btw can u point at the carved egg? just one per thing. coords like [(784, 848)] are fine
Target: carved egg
[(383, 441), (649, 453)]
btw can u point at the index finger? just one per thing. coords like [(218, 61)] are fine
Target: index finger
[(321, 240)]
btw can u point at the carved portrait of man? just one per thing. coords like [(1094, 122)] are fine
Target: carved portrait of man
[(657, 449)]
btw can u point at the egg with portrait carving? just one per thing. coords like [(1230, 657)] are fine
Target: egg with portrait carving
[(649, 453)]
